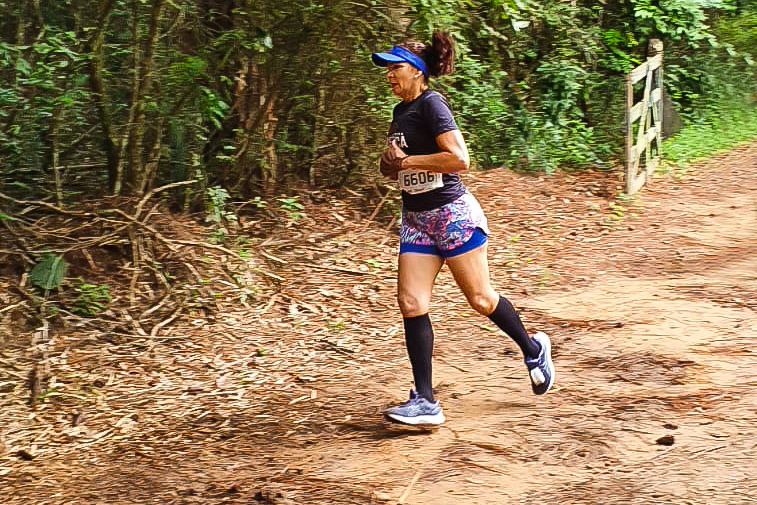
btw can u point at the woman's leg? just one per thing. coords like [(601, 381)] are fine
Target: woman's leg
[(417, 273), (471, 272)]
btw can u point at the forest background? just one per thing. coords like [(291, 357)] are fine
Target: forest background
[(258, 102)]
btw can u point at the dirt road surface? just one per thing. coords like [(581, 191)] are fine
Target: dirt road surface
[(650, 302)]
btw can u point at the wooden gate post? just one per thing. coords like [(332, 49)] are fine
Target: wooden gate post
[(655, 49), (630, 173), (649, 114)]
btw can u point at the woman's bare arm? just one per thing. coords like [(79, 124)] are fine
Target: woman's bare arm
[(452, 158)]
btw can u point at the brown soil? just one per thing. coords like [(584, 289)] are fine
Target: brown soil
[(650, 303)]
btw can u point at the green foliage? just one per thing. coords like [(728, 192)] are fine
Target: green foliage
[(218, 214), (738, 34), (476, 94), (292, 206), (337, 325), (51, 391), (678, 20), (212, 106), (270, 94), (711, 135), (49, 272), (619, 56), (43, 98), (216, 208), (92, 299), (526, 83)]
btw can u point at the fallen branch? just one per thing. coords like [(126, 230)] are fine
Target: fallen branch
[(376, 211), (468, 461), (268, 305), (11, 307), (46, 205), (708, 449), (154, 307), (273, 258), (172, 242), (269, 274), (336, 269), (409, 487), (157, 327), (153, 192), (149, 228), (388, 227)]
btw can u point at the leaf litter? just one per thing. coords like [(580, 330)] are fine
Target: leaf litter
[(272, 399)]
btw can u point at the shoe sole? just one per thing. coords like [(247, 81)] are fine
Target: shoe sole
[(433, 420), (550, 365)]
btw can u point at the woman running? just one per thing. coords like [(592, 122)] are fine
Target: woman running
[(441, 222)]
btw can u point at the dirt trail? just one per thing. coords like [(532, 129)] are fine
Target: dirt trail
[(680, 364), (653, 320)]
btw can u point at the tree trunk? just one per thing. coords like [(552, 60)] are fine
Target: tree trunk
[(136, 175), (54, 155), (97, 85), (151, 165)]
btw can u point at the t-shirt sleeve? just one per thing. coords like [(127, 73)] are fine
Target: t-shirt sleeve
[(438, 115)]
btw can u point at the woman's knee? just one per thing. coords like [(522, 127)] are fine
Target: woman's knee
[(412, 305), (483, 302)]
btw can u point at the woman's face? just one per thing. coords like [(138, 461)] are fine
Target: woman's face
[(402, 78)]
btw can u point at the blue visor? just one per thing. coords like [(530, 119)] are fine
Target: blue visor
[(399, 53)]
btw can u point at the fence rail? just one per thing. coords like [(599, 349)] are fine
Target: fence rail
[(648, 112)]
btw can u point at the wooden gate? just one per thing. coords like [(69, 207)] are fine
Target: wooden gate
[(648, 112)]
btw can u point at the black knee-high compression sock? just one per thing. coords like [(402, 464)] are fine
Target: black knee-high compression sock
[(508, 320), (419, 339)]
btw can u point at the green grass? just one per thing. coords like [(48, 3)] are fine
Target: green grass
[(729, 128)]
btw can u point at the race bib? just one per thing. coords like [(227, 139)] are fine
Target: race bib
[(417, 181)]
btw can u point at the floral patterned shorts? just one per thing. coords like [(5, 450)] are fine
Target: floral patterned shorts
[(452, 229)]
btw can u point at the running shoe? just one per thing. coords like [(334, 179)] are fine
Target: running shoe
[(541, 369), (416, 411)]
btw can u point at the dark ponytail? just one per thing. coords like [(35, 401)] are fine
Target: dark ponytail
[(439, 55)]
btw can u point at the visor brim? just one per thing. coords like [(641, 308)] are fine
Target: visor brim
[(384, 59)]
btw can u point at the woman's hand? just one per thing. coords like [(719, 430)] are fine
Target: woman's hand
[(391, 161)]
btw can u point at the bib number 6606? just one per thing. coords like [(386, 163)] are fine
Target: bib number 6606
[(416, 178)]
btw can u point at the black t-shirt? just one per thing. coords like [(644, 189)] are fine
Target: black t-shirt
[(415, 126)]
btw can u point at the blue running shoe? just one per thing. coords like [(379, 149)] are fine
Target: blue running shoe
[(541, 369), (416, 411)]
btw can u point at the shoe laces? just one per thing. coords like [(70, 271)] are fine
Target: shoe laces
[(414, 396)]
